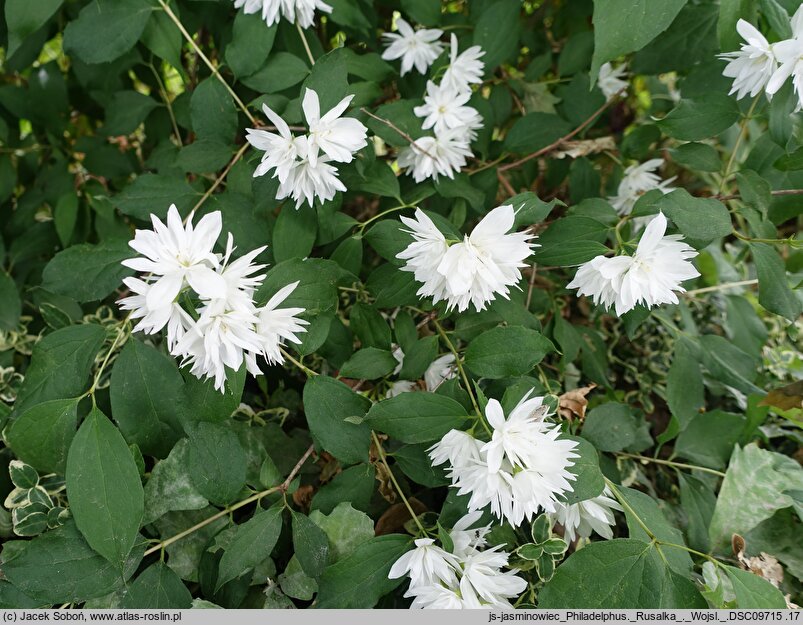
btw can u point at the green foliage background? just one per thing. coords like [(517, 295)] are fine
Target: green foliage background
[(110, 111)]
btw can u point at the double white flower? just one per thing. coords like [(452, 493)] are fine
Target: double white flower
[(650, 277), (473, 271), (294, 11), (636, 181), (468, 578), (301, 164), (610, 80), (580, 520), (759, 64), (223, 327), (523, 468), (416, 48)]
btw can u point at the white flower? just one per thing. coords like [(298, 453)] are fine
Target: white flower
[(789, 55), (610, 79), (301, 11), (464, 69), (277, 325), (424, 254), (636, 181), (751, 67), (441, 155), (520, 471), (337, 137), (306, 181), (426, 565), (439, 371), (400, 386), (152, 320), (436, 597), (589, 516), (444, 108), (281, 150), (468, 541), (176, 255), (416, 48), (486, 262), (483, 578), (650, 277)]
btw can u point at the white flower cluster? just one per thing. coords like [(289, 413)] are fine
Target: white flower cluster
[(472, 271), (301, 12), (445, 110), (523, 468), (302, 163), (437, 373), (221, 326), (581, 519), (470, 577), (636, 181), (762, 65), (649, 277)]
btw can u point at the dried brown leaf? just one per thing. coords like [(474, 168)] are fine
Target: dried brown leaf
[(574, 403)]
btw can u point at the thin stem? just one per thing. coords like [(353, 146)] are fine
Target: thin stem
[(739, 139), (777, 192), (221, 177), (382, 214), (670, 463), (229, 509), (720, 287), (629, 508), (383, 458), (122, 331), (788, 241), (310, 373), (393, 126), (566, 137), (168, 105), (206, 60), (306, 45), (462, 372)]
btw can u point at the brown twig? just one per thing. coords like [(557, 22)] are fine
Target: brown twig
[(393, 126), (505, 182), (779, 192), (563, 139), (220, 178)]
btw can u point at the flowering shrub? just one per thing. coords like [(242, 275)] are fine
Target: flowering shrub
[(401, 304)]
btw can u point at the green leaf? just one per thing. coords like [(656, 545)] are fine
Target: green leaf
[(328, 78), (535, 131), (754, 592), (426, 12), (757, 484), (60, 567), (708, 439), (368, 363), (697, 500), (10, 303), (624, 26), (589, 483), (611, 427), (88, 272), (65, 217), (388, 239), (697, 156), (154, 193), (774, 293), (618, 574), (147, 398), (361, 579), (170, 485), (754, 190), (685, 393), (213, 113), (729, 364), (126, 111), (217, 462), (703, 117), (157, 587), (345, 528), (41, 435), (311, 545), (355, 484), (418, 358), (416, 464), (106, 29), (777, 17), (316, 291), (506, 352), (644, 509), (417, 417), (162, 37), (205, 403), (252, 543), (571, 240), (327, 403), (497, 32), (203, 156), (730, 12), (283, 70), (294, 232), (60, 364), (24, 18), (701, 220), (251, 42), (105, 492)]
